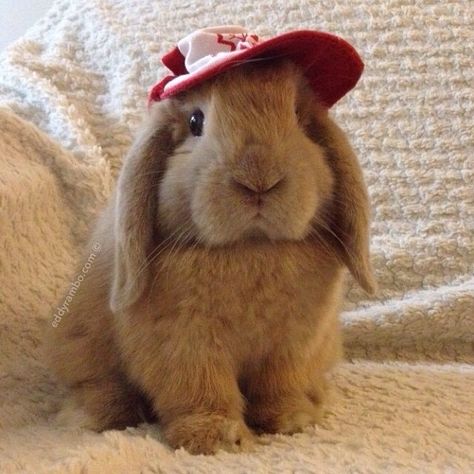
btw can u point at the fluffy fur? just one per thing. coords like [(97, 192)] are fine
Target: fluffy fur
[(213, 304)]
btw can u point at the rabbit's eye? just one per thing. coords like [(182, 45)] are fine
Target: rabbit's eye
[(196, 122)]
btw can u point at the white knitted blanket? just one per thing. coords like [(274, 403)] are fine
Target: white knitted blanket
[(71, 93)]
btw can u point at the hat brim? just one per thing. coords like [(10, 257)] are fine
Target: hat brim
[(331, 65)]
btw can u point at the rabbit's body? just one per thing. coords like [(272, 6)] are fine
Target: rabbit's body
[(230, 308), (213, 303), (241, 296), (232, 302)]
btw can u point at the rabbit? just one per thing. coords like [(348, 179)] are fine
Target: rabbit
[(212, 307)]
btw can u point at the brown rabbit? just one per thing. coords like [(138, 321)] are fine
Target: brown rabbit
[(213, 304)]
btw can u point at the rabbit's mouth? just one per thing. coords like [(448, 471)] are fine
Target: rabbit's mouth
[(240, 215), (262, 224), (255, 233)]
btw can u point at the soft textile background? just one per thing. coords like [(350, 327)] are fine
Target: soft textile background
[(72, 92)]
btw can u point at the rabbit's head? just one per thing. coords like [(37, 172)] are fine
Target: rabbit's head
[(249, 155)]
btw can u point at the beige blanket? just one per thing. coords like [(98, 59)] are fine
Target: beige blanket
[(71, 93)]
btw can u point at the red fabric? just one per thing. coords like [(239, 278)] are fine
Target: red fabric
[(158, 89), (174, 61), (331, 65)]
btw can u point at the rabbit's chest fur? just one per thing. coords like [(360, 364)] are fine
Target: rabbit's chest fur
[(247, 299)]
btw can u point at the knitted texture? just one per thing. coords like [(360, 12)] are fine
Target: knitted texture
[(72, 92)]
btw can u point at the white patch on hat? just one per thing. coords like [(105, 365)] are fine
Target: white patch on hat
[(209, 47)]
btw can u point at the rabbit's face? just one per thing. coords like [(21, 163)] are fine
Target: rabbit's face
[(245, 167), (249, 155)]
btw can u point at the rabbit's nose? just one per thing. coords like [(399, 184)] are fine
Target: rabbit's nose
[(256, 172), (257, 188)]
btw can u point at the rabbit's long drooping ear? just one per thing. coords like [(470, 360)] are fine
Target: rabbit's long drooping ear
[(136, 202), (349, 218)]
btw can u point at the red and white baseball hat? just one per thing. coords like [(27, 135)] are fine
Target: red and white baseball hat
[(331, 65)]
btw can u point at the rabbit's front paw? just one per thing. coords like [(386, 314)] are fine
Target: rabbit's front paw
[(285, 416), (208, 433), (296, 420)]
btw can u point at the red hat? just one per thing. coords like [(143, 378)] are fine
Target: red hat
[(331, 65)]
